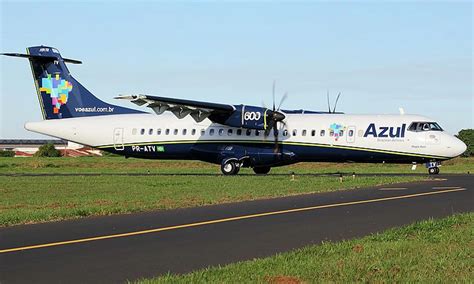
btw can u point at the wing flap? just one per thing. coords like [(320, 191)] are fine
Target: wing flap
[(179, 107)]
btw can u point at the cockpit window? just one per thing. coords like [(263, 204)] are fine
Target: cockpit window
[(424, 126), (435, 126)]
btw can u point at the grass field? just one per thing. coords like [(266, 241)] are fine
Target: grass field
[(432, 251), (27, 199), (122, 165)]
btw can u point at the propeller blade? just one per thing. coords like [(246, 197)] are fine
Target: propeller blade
[(273, 95), (335, 104), (275, 136), (285, 96), (329, 105), (276, 132)]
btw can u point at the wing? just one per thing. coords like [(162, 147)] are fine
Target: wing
[(181, 108)]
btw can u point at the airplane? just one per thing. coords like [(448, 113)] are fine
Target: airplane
[(232, 136)]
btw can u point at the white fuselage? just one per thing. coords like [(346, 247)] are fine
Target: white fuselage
[(386, 134)]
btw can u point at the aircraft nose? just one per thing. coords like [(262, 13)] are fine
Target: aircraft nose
[(458, 147)]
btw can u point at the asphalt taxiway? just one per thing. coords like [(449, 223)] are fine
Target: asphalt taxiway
[(128, 247)]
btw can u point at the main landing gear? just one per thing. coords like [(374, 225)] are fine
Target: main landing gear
[(261, 170), (230, 167)]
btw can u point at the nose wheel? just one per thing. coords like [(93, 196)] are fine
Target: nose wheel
[(433, 171), (230, 167)]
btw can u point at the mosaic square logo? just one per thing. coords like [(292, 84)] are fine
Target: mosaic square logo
[(58, 89), (336, 130)]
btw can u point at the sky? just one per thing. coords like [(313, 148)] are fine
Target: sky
[(380, 55)]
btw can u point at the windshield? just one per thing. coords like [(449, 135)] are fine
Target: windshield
[(425, 126)]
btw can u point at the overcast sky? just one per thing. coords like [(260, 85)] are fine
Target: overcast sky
[(381, 56)]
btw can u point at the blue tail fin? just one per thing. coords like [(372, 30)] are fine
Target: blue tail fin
[(59, 94)]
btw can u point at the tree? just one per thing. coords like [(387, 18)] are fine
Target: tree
[(47, 150), (467, 136), (7, 153)]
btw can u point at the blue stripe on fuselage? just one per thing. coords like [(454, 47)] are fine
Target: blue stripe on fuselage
[(210, 152)]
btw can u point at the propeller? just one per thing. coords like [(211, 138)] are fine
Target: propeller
[(335, 103), (329, 104), (275, 116)]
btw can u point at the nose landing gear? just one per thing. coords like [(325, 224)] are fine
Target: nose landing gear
[(433, 167), (433, 171)]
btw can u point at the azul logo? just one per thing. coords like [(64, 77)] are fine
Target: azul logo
[(385, 131), (336, 130), (58, 89)]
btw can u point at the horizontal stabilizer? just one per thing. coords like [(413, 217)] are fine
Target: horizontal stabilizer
[(42, 57)]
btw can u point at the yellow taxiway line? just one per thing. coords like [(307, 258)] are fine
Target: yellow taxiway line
[(216, 221)]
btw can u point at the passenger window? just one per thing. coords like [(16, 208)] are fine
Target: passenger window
[(185, 131), (221, 132), (341, 132), (175, 132), (193, 132), (158, 132), (351, 133), (150, 131), (167, 132), (229, 132), (285, 132), (211, 132), (331, 133), (257, 132), (134, 131), (295, 132), (322, 133), (203, 132), (142, 131), (313, 132), (304, 132), (248, 132), (360, 133), (239, 131)]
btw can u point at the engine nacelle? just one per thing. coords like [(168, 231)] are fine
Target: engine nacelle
[(248, 117)]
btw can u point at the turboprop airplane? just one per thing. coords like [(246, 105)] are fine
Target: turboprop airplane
[(233, 136)]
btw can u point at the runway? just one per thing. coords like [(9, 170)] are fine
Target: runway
[(128, 247)]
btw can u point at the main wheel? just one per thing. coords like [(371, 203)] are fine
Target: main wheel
[(433, 171), (261, 170), (229, 168)]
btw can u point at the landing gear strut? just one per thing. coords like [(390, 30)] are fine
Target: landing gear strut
[(433, 171), (230, 167)]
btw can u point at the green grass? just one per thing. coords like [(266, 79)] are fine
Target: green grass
[(36, 199), (122, 165), (432, 251)]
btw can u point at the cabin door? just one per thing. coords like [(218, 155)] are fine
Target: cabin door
[(350, 134), (118, 139)]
